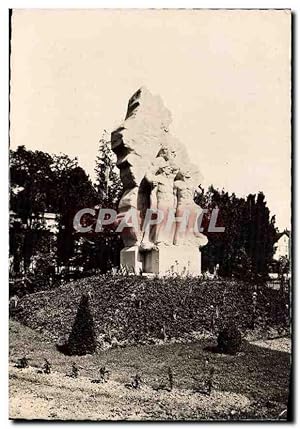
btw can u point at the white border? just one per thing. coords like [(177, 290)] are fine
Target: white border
[(142, 4), (65, 4)]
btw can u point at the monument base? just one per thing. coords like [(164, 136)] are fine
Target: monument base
[(131, 260), (168, 260), (163, 260)]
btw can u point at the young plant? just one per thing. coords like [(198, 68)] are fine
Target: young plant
[(171, 378), (22, 363), (47, 367), (74, 370)]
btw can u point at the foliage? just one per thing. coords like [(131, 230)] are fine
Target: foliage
[(108, 183), (43, 270), (82, 337), (104, 248), (41, 183), (229, 340), (30, 177), (283, 266), (74, 192), (245, 248), (46, 367), (22, 363), (24, 243), (136, 309)]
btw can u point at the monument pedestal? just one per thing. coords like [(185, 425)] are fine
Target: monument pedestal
[(163, 260), (167, 260), (131, 259)]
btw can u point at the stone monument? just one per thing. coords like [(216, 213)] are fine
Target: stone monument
[(158, 178)]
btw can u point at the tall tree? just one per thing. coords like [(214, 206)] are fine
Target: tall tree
[(106, 245), (108, 183), (74, 191), (246, 246), (42, 182), (31, 178)]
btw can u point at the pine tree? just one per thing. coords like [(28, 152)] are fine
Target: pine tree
[(108, 243), (82, 339), (108, 183), (260, 234)]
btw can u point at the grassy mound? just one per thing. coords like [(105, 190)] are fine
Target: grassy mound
[(135, 309)]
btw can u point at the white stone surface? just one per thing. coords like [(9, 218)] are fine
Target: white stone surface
[(167, 260), (131, 260)]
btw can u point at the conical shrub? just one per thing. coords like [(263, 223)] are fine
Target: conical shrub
[(82, 339)]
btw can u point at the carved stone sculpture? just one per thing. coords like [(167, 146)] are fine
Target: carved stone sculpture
[(156, 174)]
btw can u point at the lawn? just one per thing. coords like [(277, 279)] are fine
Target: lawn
[(251, 385)]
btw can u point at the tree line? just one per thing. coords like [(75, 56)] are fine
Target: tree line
[(245, 249), (45, 183)]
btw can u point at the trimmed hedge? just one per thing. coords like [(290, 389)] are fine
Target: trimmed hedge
[(134, 308), (82, 339), (229, 340)]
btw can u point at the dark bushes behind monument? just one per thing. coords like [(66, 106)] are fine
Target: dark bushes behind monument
[(128, 309)]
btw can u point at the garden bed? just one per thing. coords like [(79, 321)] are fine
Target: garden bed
[(133, 309)]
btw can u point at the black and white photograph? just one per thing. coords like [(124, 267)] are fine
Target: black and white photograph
[(150, 215)]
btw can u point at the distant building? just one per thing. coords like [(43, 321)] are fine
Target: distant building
[(47, 219), (282, 245), (50, 221)]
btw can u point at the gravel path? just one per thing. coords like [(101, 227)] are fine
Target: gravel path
[(280, 344)]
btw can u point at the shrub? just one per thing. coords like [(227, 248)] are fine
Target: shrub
[(22, 363), (82, 339), (229, 340)]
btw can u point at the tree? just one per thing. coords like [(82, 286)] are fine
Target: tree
[(42, 269), (41, 182), (283, 271), (108, 183), (74, 191), (31, 178), (260, 233), (246, 245), (106, 245), (82, 339)]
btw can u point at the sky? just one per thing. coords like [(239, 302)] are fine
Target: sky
[(224, 75)]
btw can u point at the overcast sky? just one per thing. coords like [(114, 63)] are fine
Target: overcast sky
[(225, 76)]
